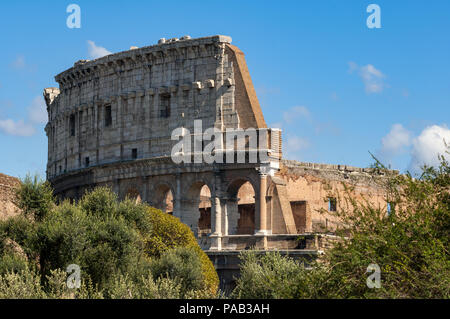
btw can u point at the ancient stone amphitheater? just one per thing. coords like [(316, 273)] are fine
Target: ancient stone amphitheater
[(111, 121)]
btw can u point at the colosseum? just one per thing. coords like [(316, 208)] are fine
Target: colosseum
[(111, 123)]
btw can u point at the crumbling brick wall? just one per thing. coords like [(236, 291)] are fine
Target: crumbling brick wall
[(8, 185), (314, 183)]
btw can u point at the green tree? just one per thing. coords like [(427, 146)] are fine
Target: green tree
[(34, 197), (410, 245), (117, 244)]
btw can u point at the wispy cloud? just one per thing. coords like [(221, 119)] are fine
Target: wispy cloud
[(293, 146), (395, 141), (16, 128), (297, 122), (372, 78), (296, 143), (95, 51), (37, 112), (19, 62), (295, 113), (37, 115)]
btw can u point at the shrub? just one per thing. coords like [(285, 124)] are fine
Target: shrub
[(101, 244), (123, 287), (182, 263), (21, 285), (12, 263), (267, 276), (100, 202), (167, 233), (116, 244), (22, 232), (34, 197), (410, 245)]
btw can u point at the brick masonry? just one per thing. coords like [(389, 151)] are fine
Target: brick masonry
[(8, 185)]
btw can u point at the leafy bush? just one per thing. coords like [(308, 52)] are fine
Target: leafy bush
[(12, 263), (145, 288), (267, 276), (182, 263), (22, 232), (34, 197), (410, 245), (116, 244), (167, 233)]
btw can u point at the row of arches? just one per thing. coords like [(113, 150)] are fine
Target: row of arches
[(197, 206)]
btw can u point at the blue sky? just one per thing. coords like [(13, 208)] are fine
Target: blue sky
[(337, 88)]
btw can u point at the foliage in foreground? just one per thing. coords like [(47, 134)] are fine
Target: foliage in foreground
[(410, 245), (124, 249)]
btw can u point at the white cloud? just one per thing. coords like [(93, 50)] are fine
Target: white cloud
[(371, 77), (95, 51), (37, 112), (293, 145), (19, 128), (428, 145), (395, 141), (296, 113), (19, 62)]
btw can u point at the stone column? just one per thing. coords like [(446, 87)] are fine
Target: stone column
[(232, 215), (262, 204), (144, 189), (216, 224), (224, 203), (177, 197), (216, 215)]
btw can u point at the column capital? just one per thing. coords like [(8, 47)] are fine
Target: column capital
[(263, 171)]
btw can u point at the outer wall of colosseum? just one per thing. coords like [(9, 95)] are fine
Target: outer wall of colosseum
[(111, 121)]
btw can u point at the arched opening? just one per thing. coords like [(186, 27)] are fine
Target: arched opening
[(168, 202), (163, 199), (240, 208), (204, 222), (196, 207), (134, 195)]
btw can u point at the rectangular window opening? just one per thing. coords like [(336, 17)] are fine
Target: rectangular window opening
[(390, 208), (164, 106), (108, 116), (332, 204), (134, 153), (72, 125)]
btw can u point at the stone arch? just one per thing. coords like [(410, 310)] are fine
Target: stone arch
[(130, 187), (133, 194), (240, 207), (163, 198), (196, 207)]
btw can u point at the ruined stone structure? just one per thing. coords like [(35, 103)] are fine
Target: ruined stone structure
[(8, 185), (111, 122)]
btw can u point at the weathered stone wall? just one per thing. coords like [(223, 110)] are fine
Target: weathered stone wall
[(314, 183), (103, 109), (8, 185), (110, 124)]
